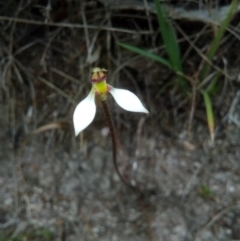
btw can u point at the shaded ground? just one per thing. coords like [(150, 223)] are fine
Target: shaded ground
[(67, 188)]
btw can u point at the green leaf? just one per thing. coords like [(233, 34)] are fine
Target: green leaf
[(146, 54), (170, 41), (212, 88), (169, 37)]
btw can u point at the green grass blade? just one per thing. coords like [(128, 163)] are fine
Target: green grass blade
[(213, 87), (169, 37), (146, 54), (209, 111), (170, 42), (216, 42)]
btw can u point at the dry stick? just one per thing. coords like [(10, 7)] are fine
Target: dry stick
[(72, 25), (113, 138)]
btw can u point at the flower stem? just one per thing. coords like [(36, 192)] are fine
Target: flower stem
[(113, 138)]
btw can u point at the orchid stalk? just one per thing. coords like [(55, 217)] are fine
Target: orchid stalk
[(86, 109)]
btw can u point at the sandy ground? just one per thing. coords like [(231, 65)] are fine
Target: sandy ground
[(190, 190)]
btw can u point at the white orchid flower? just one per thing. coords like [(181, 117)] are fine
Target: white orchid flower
[(86, 109)]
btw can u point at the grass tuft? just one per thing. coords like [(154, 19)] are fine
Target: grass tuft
[(174, 62)]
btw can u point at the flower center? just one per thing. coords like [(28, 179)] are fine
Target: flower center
[(98, 75), (98, 80)]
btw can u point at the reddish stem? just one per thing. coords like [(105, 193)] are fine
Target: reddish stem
[(113, 138)]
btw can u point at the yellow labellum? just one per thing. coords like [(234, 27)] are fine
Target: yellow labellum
[(101, 87)]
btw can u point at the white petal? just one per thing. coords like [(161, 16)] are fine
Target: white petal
[(127, 100), (84, 113)]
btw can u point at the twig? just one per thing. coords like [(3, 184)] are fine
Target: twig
[(192, 111), (49, 84), (191, 181), (69, 77), (71, 25), (216, 218), (149, 20), (204, 57), (42, 60)]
